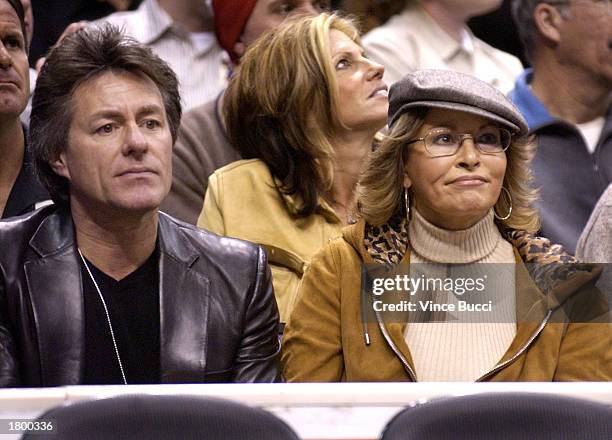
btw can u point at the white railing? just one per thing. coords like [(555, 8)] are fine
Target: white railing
[(314, 411)]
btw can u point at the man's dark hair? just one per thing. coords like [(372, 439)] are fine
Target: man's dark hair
[(522, 12), (79, 58), (18, 7)]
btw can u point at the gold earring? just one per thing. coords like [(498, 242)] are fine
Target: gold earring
[(507, 216)]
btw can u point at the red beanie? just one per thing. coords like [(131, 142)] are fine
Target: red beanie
[(230, 18)]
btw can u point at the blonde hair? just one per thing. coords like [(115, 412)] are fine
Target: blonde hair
[(281, 106), (380, 190)]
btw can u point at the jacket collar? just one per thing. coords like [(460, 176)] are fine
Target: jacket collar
[(56, 233), (173, 243), (554, 271), (431, 32), (55, 289), (542, 274), (154, 22)]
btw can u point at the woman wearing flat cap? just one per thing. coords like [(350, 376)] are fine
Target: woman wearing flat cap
[(448, 189)]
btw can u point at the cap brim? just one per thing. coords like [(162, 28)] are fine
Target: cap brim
[(458, 107)]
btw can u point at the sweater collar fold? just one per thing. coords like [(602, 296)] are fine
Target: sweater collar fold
[(445, 246)]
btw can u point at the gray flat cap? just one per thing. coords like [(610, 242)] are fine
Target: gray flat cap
[(453, 91)]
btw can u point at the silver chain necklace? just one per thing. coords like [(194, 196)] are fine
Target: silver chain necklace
[(110, 325)]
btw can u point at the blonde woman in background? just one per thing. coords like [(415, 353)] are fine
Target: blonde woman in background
[(303, 110)]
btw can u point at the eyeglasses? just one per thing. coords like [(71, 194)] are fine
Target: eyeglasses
[(441, 142)]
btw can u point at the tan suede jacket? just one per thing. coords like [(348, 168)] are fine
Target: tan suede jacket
[(327, 341)]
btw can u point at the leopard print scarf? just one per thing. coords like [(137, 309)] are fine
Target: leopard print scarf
[(550, 264)]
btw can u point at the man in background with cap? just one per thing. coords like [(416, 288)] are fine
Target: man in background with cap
[(566, 99), (202, 145), (181, 33)]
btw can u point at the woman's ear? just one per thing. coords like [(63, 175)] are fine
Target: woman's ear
[(407, 181)]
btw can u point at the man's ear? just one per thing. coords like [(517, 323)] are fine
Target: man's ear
[(59, 166), (548, 19)]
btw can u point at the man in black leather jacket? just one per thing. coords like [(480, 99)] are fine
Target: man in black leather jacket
[(101, 287)]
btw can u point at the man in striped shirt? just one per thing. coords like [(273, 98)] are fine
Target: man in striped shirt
[(181, 33)]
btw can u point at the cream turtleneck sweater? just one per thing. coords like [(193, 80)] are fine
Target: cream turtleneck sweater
[(460, 351)]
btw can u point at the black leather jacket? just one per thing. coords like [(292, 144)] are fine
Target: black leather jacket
[(218, 315)]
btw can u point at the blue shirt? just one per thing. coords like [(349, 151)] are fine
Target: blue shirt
[(531, 107), (570, 179)]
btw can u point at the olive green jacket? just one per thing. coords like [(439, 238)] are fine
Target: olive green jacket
[(326, 339)]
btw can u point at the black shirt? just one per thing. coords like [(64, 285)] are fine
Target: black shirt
[(27, 190), (133, 306), (52, 17)]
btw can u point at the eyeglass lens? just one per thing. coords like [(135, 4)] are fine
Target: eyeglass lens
[(446, 142)]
